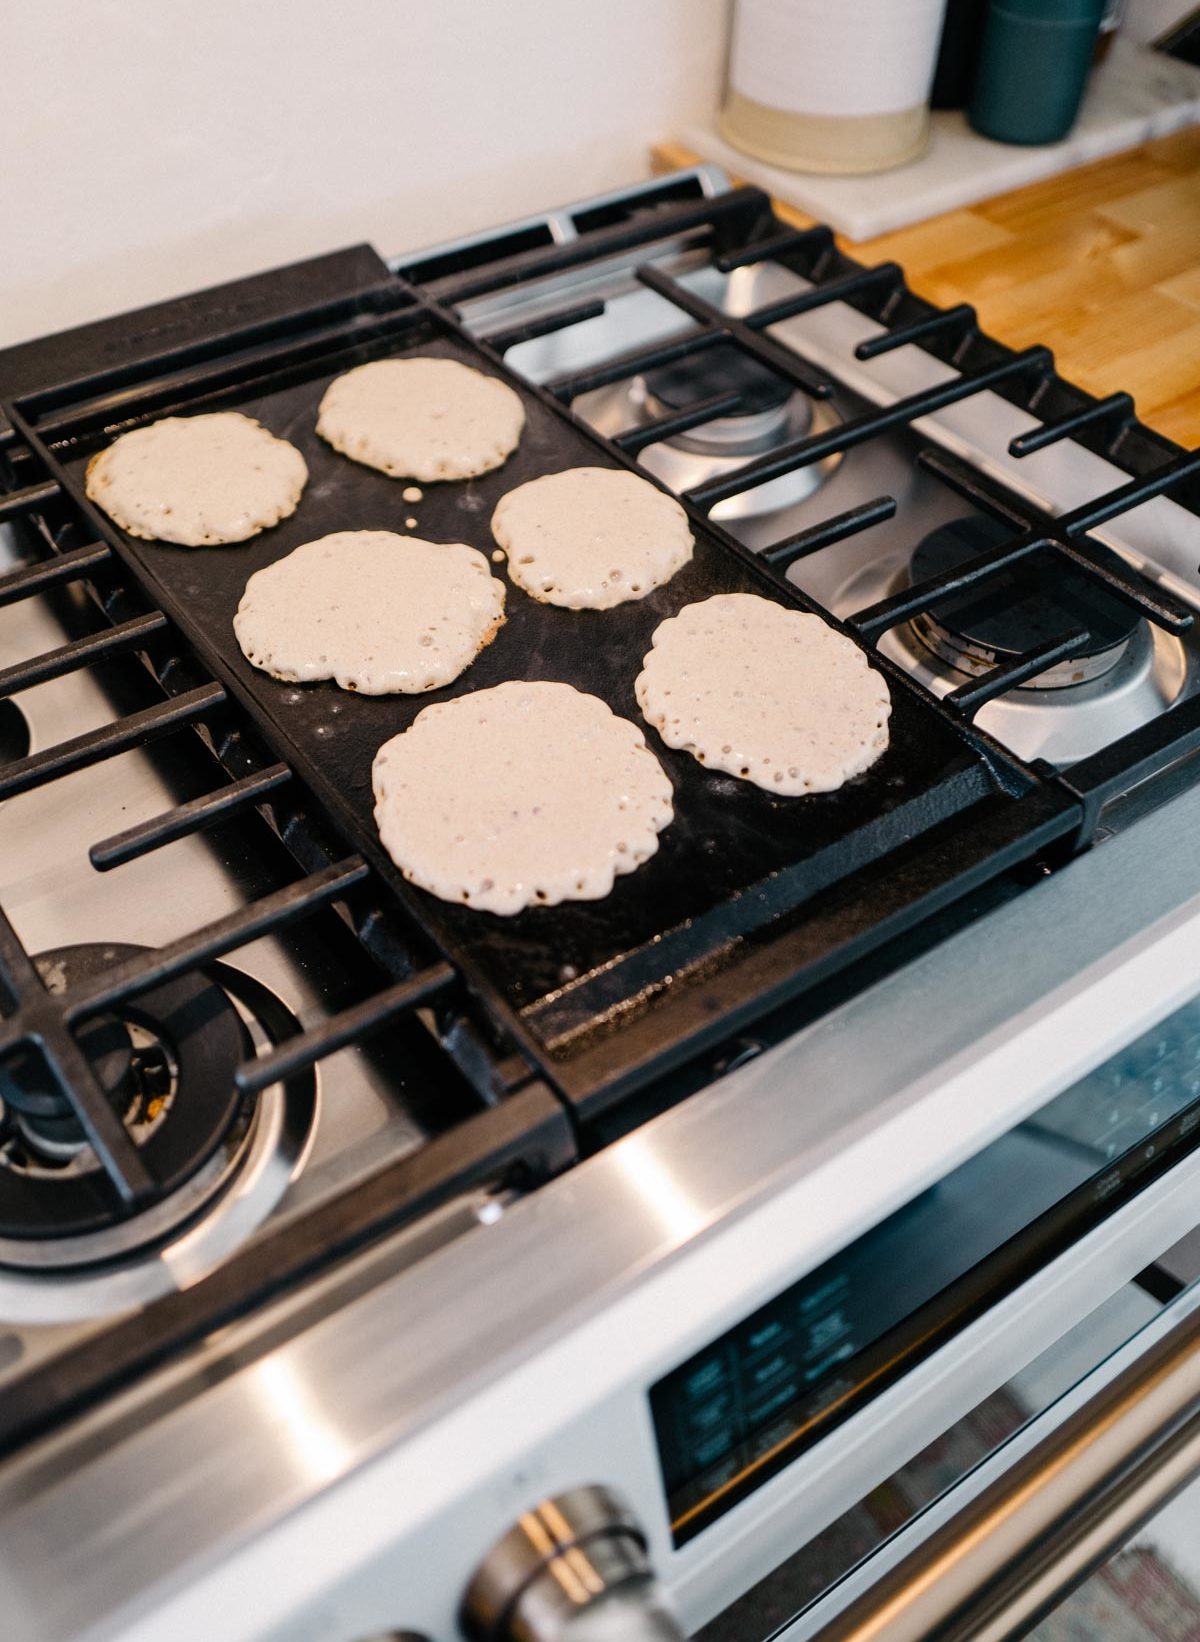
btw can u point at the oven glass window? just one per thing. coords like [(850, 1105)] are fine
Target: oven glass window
[(738, 1411)]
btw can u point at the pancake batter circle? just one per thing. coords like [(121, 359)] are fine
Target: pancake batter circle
[(421, 418), (197, 480), (523, 795), (591, 538), (378, 613), (774, 696)]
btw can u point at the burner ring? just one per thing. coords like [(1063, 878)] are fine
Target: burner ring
[(724, 368), (183, 1114), (719, 447), (1036, 600), (770, 410), (183, 1236)]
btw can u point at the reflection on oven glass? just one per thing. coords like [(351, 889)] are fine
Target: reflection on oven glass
[(742, 1408), (1148, 1592)]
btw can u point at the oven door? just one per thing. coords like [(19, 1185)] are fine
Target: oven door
[(1065, 1503)]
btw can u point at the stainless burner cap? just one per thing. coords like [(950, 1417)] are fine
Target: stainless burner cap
[(765, 417), (771, 413), (1039, 599)]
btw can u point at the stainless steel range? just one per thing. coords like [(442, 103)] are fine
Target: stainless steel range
[(369, 1266)]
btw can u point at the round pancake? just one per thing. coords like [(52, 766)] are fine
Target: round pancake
[(422, 418), (378, 613), (198, 480), (591, 538), (771, 695), (522, 795)]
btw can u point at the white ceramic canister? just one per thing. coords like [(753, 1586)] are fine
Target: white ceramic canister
[(832, 85)]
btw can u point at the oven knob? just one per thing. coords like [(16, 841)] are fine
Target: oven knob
[(573, 1569)]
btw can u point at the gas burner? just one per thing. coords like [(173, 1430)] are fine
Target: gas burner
[(165, 1061), (166, 1065), (771, 414), (44, 1137), (765, 416), (1039, 599), (1152, 670)]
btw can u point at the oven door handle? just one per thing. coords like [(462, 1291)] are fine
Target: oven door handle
[(1037, 1531)]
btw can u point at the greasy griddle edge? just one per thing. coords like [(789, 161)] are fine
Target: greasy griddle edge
[(728, 838)]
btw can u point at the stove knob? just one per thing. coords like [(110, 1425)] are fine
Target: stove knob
[(573, 1569)]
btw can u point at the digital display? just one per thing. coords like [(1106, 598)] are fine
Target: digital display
[(738, 1411)]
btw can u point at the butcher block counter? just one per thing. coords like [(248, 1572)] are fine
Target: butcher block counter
[(1102, 264)]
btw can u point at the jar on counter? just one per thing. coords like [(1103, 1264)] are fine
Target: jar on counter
[(821, 86)]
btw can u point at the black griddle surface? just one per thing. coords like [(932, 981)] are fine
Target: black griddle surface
[(727, 838)]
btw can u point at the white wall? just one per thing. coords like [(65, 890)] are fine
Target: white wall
[(154, 146)]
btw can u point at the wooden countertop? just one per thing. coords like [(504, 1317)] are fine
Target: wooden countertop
[(1102, 264)]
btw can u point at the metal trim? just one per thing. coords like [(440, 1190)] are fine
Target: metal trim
[(1030, 1538)]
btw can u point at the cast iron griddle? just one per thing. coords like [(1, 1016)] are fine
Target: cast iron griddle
[(735, 857)]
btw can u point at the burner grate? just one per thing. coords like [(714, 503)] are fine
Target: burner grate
[(738, 229), (955, 325), (837, 528), (1027, 377), (55, 420), (1112, 416), (185, 819), (554, 981), (675, 422), (510, 1128), (49, 1022)]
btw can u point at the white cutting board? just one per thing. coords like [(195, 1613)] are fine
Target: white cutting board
[(1137, 94)]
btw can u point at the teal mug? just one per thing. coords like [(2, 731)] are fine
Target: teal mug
[(1033, 67)]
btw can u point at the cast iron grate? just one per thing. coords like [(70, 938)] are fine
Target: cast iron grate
[(50, 424), (183, 699), (507, 1127), (1028, 376), (589, 999), (555, 981)]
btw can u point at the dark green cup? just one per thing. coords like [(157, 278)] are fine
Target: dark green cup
[(1033, 66)]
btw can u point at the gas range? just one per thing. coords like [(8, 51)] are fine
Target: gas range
[(299, 1173)]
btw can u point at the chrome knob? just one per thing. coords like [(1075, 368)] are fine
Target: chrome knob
[(573, 1569)]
